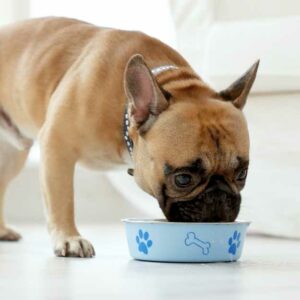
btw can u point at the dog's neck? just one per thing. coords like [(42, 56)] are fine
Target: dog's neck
[(126, 123)]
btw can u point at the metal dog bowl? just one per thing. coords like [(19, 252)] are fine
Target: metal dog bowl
[(159, 240)]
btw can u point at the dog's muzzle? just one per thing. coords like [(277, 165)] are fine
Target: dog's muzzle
[(218, 203)]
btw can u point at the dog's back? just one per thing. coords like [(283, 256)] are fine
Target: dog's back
[(37, 54), (34, 55)]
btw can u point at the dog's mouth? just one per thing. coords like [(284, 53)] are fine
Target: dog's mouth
[(212, 206)]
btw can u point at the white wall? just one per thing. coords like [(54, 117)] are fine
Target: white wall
[(13, 10), (223, 38), (237, 10), (152, 17)]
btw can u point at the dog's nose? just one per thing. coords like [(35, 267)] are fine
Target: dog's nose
[(218, 182)]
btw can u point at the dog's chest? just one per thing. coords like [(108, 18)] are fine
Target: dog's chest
[(107, 161)]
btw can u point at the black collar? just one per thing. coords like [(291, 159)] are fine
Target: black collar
[(126, 124)]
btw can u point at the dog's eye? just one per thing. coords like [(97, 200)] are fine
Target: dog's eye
[(242, 174), (166, 94), (183, 180)]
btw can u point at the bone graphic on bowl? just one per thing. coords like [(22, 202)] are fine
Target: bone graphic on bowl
[(191, 239)]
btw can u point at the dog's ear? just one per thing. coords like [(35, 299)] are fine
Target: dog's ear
[(238, 91), (145, 98)]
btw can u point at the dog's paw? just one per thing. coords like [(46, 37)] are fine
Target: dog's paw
[(74, 246), (7, 234)]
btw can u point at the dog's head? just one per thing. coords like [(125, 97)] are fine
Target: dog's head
[(191, 144)]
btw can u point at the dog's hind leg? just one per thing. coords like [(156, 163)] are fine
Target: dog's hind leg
[(13, 155), (6, 233), (11, 162)]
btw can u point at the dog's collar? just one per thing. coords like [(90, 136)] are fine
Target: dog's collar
[(126, 125), (126, 122), (160, 69)]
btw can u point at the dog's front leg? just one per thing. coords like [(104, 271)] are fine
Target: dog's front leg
[(58, 159)]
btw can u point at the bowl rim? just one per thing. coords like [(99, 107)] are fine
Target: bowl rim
[(165, 222)]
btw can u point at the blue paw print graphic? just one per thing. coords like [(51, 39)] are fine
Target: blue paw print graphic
[(234, 242), (143, 241)]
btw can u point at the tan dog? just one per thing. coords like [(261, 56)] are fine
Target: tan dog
[(62, 82)]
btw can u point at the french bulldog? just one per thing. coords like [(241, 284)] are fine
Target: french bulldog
[(70, 85)]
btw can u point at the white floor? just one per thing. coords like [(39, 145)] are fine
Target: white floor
[(269, 269)]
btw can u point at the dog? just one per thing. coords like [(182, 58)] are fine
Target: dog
[(103, 98)]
